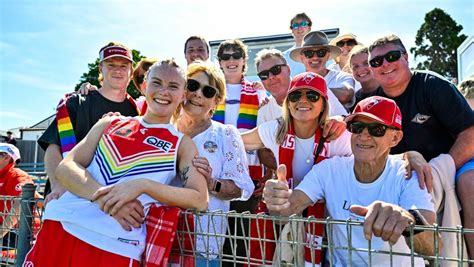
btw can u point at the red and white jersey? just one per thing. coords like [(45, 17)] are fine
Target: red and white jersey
[(129, 149)]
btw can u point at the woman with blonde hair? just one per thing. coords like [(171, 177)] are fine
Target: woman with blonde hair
[(222, 158)]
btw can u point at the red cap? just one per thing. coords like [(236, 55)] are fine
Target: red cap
[(311, 81), (115, 51), (379, 108)]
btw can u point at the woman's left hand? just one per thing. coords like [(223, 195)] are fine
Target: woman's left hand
[(415, 161), (333, 128), (204, 167), (112, 198)]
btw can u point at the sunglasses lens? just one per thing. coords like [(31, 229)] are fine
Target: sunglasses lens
[(376, 130), (393, 56), (321, 53), (312, 96), (193, 85), (263, 75), (275, 70), (308, 53), (376, 61), (208, 91), (225, 57), (355, 127), (294, 96), (351, 42), (237, 55)]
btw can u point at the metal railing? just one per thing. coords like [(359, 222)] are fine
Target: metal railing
[(203, 240)]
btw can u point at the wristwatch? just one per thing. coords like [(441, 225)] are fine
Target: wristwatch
[(217, 187), (419, 220)]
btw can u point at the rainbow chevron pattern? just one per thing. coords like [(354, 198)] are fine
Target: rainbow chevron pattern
[(120, 156)]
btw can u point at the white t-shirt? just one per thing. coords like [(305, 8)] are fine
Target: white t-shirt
[(339, 147), (334, 180), (270, 111), (223, 147), (295, 66), (338, 79)]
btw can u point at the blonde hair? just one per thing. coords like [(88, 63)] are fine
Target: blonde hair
[(170, 63), (286, 120), (215, 75)]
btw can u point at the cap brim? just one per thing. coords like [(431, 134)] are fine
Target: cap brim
[(111, 56), (367, 115), (309, 88), (334, 51)]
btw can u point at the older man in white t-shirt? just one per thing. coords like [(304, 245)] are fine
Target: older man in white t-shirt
[(369, 187)]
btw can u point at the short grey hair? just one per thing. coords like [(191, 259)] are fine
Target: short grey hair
[(267, 53)]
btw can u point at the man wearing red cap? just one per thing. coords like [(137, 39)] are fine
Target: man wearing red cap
[(438, 122), (76, 114), (11, 181), (369, 187)]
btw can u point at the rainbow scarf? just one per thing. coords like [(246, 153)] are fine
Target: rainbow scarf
[(247, 118), (65, 128)]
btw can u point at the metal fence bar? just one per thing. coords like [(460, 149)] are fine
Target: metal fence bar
[(25, 235), (352, 249)]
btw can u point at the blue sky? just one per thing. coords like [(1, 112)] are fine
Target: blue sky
[(45, 45)]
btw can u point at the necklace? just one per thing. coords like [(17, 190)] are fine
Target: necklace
[(309, 155)]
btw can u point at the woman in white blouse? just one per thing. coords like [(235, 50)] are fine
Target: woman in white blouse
[(222, 158)]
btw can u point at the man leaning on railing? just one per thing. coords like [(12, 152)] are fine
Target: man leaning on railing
[(369, 186)]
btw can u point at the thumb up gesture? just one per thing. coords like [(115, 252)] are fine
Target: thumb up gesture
[(276, 193)]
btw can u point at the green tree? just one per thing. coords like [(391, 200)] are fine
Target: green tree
[(437, 41), (92, 75)]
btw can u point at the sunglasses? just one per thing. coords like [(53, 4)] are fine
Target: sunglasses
[(312, 96), (297, 25), (319, 53), (375, 129), (275, 70), (235, 55), (391, 56), (207, 91), (350, 42)]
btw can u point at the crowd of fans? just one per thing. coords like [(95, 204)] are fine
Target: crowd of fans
[(311, 138)]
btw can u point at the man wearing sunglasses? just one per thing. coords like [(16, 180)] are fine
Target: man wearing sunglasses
[(274, 72), (300, 25), (436, 118), (369, 187), (314, 54)]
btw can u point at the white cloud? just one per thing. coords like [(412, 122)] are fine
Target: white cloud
[(37, 82)]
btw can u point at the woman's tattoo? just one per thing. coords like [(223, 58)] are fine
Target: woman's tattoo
[(183, 175)]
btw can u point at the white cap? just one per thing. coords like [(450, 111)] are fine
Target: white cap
[(10, 150)]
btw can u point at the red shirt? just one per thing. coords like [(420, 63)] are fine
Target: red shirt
[(11, 181)]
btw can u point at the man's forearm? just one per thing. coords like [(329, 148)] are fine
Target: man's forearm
[(463, 149), (52, 158)]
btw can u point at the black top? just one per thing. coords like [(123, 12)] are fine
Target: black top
[(359, 96), (84, 112), (434, 112)]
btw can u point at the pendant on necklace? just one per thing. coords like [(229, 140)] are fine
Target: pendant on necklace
[(308, 161)]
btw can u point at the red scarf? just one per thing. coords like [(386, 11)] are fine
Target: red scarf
[(162, 224), (262, 229)]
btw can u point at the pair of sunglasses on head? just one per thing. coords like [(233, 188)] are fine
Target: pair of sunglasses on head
[(207, 90), (374, 129)]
